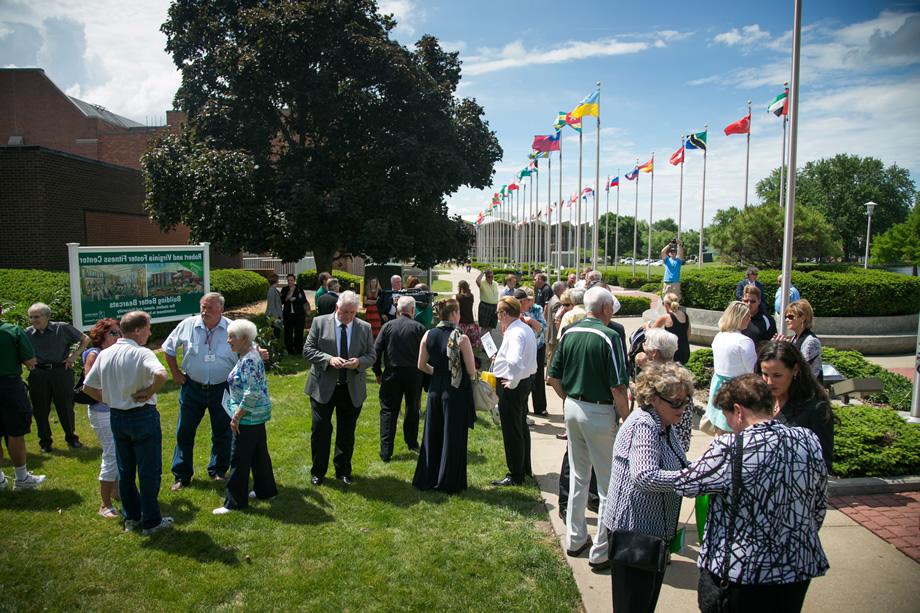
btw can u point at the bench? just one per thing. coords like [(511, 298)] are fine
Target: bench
[(856, 387)]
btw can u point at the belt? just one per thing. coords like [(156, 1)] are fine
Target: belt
[(203, 386), (583, 399), (50, 365), (143, 407)]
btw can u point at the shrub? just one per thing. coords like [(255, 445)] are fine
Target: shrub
[(239, 287), (20, 289), (309, 279), (873, 442), (652, 288), (896, 389), (633, 305), (701, 365), (833, 291)]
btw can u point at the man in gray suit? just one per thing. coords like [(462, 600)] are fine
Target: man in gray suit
[(340, 348)]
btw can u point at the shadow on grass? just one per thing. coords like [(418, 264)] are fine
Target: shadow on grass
[(195, 544), (295, 505), (516, 498), (42, 499)]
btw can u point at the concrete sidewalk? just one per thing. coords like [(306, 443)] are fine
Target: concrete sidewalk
[(866, 574)]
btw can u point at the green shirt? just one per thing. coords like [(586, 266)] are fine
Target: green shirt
[(488, 292), (15, 348), (589, 361)]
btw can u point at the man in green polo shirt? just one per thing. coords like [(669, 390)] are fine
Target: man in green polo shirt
[(15, 409), (589, 373)]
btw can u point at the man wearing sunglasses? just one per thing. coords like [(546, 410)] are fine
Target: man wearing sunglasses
[(762, 327)]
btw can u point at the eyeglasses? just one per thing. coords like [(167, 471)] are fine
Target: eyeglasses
[(789, 316), (675, 404), (115, 333), (749, 301)]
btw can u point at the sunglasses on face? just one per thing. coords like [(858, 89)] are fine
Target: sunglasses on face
[(675, 404), (115, 333)]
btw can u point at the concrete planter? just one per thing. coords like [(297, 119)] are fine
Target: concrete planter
[(868, 335)]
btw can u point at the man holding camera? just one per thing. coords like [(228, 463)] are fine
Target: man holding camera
[(672, 255)]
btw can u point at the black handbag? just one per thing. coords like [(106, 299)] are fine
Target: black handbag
[(79, 396), (713, 591), (640, 551)]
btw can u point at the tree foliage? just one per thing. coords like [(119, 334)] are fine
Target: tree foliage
[(755, 235), (310, 129), (840, 186), (900, 244)]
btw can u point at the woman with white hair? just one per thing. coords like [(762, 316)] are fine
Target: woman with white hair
[(660, 347), (246, 401), (733, 354)]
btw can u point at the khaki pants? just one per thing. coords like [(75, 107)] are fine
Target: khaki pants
[(673, 287)]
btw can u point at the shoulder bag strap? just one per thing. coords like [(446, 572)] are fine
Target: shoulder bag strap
[(737, 454)]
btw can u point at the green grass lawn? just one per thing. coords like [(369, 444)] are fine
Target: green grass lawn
[(379, 545), (443, 286)]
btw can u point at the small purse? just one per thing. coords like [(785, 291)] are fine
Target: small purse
[(79, 396), (713, 591), (640, 551)]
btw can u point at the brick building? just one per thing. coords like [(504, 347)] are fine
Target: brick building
[(69, 172)]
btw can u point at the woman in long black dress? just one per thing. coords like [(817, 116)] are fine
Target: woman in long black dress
[(446, 355)]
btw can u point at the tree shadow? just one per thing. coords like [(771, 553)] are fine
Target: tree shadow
[(682, 574), (390, 490), (294, 505), (550, 428), (514, 498), (195, 544), (41, 499)]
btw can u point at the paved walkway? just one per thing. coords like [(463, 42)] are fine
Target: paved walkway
[(867, 573)]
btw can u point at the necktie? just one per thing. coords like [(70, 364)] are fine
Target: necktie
[(343, 350)]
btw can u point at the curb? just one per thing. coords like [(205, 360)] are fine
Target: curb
[(873, 485)]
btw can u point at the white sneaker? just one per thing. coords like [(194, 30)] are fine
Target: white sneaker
[(5, 483), (132, 524), (30, 482), (166, 522), (221, 511), (252, 495)]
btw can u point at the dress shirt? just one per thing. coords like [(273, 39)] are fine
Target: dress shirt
[(338, 335), (398, 343), (122, 370), (206, 356), (517, 357), (52, 345), (733, 354)]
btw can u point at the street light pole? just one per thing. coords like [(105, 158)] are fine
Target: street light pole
[(870, 206)]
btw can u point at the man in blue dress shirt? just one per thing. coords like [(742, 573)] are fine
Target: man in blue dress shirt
[(206, 362)]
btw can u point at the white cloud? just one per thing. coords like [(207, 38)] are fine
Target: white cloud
[(515, 54), (747, 35), (406, 13)]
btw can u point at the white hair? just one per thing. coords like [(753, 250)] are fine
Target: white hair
[(213, 296), (596, 298), (405, 304), (578, 295), (394, 279), (348, 297), (40, 308), (662, 340), (242, 329)]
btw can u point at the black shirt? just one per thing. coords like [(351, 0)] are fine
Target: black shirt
[(399, 340), (543, 295), (325, 304), (298, 306), (762, 328)]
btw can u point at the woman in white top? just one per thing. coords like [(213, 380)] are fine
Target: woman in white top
[(733, 354)]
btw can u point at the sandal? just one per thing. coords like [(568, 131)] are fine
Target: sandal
[(109, 513)]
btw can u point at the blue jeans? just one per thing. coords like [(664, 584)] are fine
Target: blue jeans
[(193, 400), (139, 451)]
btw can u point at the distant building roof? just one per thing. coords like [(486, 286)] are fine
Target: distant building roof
[(98, 112)]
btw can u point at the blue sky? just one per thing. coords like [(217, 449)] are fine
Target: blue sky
[(667, 68)]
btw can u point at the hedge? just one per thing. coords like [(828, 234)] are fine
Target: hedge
[(874, 442), (835, 292), (309, 279), (702, 366), (633, 305), (239, 287)]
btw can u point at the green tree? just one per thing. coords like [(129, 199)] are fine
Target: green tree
[(607, 227), (755, 235), (900, 244), (840, 187), (310, 129)]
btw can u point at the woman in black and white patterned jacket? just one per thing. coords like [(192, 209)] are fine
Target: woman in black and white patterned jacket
[(773, 549), (647, 458)]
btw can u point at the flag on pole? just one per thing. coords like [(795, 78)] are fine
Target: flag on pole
[(696, 141), (546, 142), (513, 187), (587, 191), (615, 182), (525, 172), (503, 190), (589, 106), (648, 166), (564, 119), (780, 104), (632, 174), (677, 157), (533, 155), (742, 126)]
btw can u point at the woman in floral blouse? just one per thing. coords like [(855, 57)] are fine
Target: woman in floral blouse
[(246, 401)]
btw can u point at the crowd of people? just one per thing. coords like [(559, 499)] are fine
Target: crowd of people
[(627, 414)]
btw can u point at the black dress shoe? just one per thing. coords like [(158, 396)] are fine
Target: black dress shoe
[(599, 566), (414, 448), (75, 444), (46, 448), (505, 482), (385, 458), (562, 437), (315, 480), (346, 479), (577, 552), (563, 515)]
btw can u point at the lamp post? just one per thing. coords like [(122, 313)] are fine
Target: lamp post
[(870, 206)]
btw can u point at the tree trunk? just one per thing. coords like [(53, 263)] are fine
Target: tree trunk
[(323, 257)]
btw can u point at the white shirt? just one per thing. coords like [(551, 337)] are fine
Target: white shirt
[(122, 370), (517, 357), (338, 334), (733, 354), (207, 357)]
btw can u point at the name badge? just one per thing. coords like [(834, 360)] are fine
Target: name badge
[(210, 357)]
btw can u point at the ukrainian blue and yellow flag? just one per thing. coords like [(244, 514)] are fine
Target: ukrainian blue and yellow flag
[(591, 105)]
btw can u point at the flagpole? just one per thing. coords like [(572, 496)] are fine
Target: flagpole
[(680, 196), (616, 232), (636, 222), (607, 222), (530, 226), (559, 230), (793, 101), (597, 176), (782, 162), (549, 213), (578, 205), (747, 157), (703, 203), (651, 208), (536, 228)]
